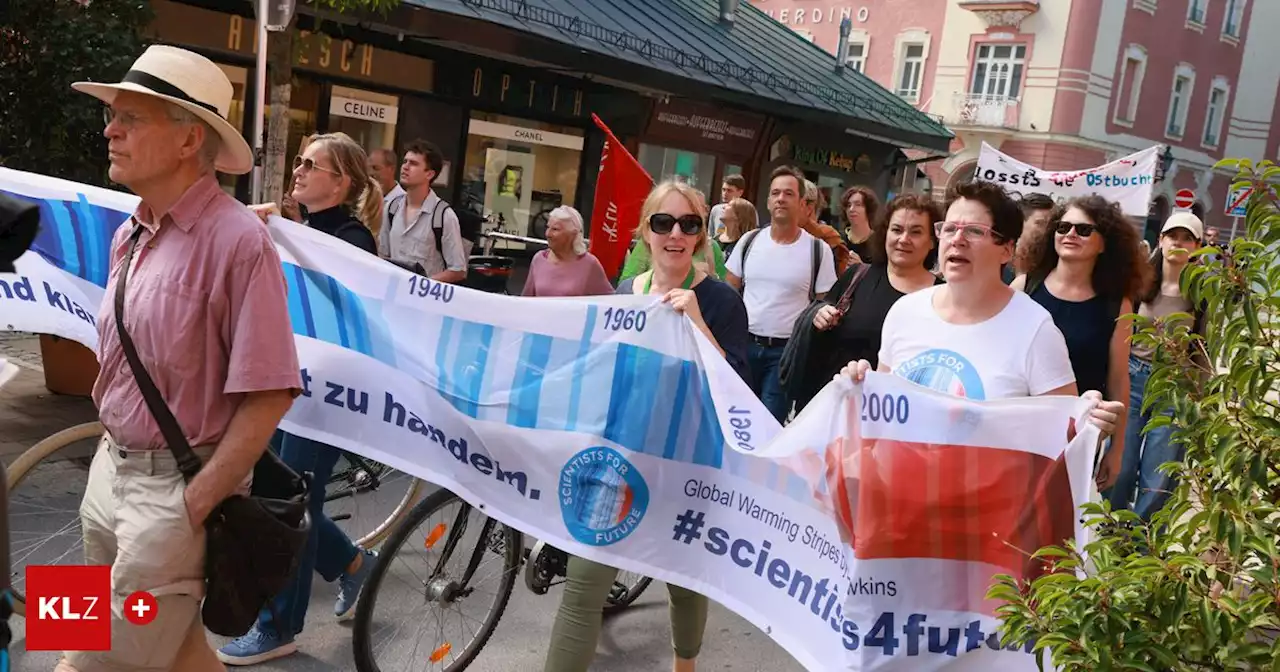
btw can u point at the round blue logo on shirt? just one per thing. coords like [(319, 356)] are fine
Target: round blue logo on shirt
[(946, 371), (603, 497)]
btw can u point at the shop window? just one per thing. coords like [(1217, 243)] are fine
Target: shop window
[(304, 113), (516, 171), (239, 78), (667, 163), (368, 117)]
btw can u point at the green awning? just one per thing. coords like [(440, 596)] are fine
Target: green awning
[(757, 62)]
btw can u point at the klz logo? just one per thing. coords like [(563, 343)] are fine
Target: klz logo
[(68, 608)]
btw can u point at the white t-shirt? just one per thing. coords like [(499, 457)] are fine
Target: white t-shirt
[(1017, 353), (777, 279)]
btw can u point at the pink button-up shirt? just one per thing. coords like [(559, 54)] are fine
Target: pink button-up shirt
[(206, 307)]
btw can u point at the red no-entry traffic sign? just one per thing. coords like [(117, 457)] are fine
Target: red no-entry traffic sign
[(1185, 198)]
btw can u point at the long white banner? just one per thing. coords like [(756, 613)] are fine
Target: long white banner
[(863, 537), (1127, 180)]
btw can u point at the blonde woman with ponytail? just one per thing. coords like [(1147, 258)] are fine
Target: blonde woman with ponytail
[(332, 185)]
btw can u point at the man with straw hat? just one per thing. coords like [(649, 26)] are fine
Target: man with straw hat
[(204, 304)]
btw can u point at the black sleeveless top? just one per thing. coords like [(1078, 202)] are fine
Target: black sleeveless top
[(1088, 326)]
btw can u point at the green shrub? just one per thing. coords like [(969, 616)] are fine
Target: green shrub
[(1199, 587)]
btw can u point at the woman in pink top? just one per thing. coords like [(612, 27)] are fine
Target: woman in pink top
[(567, 268)]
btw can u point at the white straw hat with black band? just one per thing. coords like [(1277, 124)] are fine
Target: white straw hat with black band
[(191, 82)]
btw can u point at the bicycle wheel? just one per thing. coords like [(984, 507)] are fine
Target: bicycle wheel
[(626, 589), (367, 498), (415, 562), (46, 486)]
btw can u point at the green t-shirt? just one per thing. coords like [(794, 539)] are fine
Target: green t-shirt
[(638, 261)]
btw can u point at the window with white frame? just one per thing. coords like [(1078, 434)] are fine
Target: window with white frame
[(1216, 112), (1233, 17), (997, 71), (1184, 79), (1129, 88), (1196, 10), (911, 71), (857, 58)]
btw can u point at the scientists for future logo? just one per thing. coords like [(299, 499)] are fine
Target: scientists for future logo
[(603, 497)]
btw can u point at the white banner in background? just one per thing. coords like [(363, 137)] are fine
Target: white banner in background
[(1127, 180), (543, 410)]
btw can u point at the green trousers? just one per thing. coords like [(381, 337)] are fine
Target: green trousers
[(577, 627)]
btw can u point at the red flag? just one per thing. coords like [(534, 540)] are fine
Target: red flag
[(620, 191)]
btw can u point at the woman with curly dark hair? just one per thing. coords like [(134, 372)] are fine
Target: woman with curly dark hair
[(858, 209), (1086, 270), (904, 250)]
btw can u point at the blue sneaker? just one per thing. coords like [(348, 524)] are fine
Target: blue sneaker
[(349, 586), (255, 647)]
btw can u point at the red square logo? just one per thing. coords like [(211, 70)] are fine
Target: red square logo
[(69, 608)]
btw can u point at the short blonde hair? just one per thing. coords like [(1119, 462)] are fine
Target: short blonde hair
[(696, 203), (571, 215)]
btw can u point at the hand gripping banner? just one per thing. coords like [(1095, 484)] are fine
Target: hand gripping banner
[(863, 537)]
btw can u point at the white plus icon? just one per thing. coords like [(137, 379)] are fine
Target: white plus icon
[(141, 608)]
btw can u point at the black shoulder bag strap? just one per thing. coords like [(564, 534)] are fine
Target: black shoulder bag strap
[(817, 262), (188, 462), (747, 240)]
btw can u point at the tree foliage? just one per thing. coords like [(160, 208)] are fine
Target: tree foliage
[(45, 45), (1198, 588)]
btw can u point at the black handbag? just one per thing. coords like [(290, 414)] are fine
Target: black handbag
[(252, 543)]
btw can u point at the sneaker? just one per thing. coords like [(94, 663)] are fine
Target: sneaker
[(349, 586), (255, 647)]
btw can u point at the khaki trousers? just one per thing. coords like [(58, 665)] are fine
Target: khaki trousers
[(135, 519)]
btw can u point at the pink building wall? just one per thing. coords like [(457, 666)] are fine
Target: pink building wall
[(884, 21), (1169, 42)]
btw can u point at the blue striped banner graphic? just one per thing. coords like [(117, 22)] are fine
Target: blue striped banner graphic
[(321, 308), (75, 236)]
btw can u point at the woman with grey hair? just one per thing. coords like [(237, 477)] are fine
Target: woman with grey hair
[(566, 268)]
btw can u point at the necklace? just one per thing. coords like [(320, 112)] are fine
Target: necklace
[(688, 280)]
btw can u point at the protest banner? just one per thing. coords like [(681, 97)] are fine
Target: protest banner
[(862, 537), (1127, 180)]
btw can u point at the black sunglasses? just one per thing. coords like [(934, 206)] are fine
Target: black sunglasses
[(662, 224), (300, 161), (1082, 230)]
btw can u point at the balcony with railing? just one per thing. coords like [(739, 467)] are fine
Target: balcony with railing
[(984, 111)]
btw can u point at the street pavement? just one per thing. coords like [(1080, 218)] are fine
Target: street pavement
[(636, 640)]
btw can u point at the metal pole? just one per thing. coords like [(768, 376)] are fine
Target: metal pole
[(260, 106), (1235, 222)]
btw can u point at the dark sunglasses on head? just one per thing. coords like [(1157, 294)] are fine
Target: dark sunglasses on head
[(662, 224), (1082, 230)]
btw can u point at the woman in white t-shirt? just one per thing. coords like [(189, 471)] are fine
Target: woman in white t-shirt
[(974, 336)]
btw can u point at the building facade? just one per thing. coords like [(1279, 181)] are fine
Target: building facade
[(510, 97), (1071, 84)]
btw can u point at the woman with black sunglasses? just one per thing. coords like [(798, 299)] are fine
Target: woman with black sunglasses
[(1085, 270), (673, 231)]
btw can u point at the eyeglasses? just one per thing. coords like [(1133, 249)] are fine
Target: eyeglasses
[(127, 119), (971, 232), (1082, 230), (662, 224), (308, 165)]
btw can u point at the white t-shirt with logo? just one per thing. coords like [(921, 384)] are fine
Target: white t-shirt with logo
[(777, 278), (1017, 353)]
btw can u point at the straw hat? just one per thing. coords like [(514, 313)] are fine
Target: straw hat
[(191, 82)]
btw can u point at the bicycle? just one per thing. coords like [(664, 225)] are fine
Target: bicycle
[(67, 455), (544, 564)]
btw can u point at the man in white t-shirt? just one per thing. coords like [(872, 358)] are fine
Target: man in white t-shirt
[(778, 279)]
